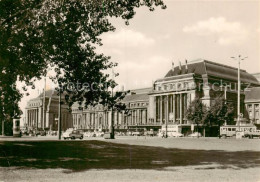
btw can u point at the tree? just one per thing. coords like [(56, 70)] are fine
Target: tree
[(220, 112), (63, 35), (196, 112)]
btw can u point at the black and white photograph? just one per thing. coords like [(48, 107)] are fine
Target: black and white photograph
[(129, 90)]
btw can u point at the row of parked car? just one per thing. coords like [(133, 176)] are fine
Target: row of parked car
[(80, 134), (177, 134)]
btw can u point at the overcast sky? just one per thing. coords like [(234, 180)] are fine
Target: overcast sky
[(211, 30)]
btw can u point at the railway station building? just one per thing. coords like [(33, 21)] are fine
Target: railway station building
[(165, 101), (170, 96)]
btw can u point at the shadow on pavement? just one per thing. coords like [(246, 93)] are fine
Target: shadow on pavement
[(84, 155)]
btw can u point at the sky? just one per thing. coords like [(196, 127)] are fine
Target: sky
[(187, 29)]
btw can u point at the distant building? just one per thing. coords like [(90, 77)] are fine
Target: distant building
[(169, 97), (252, 102), (34, 112), (99, 117)]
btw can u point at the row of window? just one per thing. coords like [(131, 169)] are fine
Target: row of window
[(175, 86), (35, 104), (250, 106), (139, 104)]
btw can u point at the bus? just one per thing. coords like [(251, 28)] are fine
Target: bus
[(172, 130), (230, 131)]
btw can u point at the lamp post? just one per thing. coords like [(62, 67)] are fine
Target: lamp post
[(43, 104), (59, 121), (239, 88), (166, 116), (3, 111), (112, 129)]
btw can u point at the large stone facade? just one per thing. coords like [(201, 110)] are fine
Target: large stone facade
[(150, 108), (169, 97), (99, 117), (34, 112)]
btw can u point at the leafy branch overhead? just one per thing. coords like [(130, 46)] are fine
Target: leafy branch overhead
[(63, 35)]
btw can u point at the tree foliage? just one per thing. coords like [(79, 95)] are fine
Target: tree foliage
[(63, 35), (220, 112), (196, 112)]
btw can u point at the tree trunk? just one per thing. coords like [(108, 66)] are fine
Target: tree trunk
[(198, 130), (219, 129)]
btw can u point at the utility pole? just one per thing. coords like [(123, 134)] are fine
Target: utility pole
[(3, 127), (239, 88), (112, 130), (3, 111), (225, 97), (167, 116), (43, 104), (59, 122)]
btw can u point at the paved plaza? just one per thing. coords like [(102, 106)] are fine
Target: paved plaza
[(129, 159)]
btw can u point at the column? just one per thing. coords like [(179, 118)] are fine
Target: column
[(173, 108), (33, 118), (181, 108), (152, 108), (31, 113), (116, 117), (137, 116), (37, 119), (119, 118), (161, 103), (40, 117), (29, 118), (109, 118), (188, 99), (177, 106), (167, 109), (143, 117), (26, 117), (87, 119)]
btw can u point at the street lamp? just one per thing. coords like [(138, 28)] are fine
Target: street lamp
[(59, 114), (239, 88)]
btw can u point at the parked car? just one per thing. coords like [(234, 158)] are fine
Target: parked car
[(86, 134), (92, 134), (66, 134), (175, 134), (100, 134), (195, 134), (41, 132), (76, 134)]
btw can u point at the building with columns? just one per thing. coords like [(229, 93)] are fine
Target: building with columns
[(170, 96), (99, 117), (36, 116)]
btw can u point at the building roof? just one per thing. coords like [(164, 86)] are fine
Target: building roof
[(136, 97), (212, 69), (252, 94), (141, 90), (257, 76), (49, 93)]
